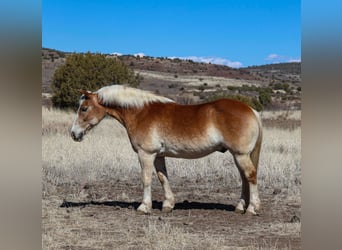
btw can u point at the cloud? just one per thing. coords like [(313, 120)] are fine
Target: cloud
[(212, 60), (295, 60), (275, 58), (116, 54), (140, 54), (272, 57)]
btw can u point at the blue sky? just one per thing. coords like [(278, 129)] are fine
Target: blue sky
[(236, 33)]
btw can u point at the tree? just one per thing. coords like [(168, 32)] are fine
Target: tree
[(91, 72)]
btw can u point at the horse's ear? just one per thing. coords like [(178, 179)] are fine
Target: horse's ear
[(85, 92)]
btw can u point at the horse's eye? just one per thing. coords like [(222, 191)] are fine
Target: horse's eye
[(84, 109)]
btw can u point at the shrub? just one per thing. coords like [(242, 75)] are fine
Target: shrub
[(232, 88), (253, 102), (172, 85), (264, 98), (201, 88), (283, 86), (256, 104), (91, 72)]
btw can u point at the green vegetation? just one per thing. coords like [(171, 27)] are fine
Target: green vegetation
[(282, 86), (263, 93), (203, 86), (265, 97), (91, 72), (251, 101), (52, 53)]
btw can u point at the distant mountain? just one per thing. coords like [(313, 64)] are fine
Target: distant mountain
[(185, 67), (284, 68), (188, 81), (284, 71)]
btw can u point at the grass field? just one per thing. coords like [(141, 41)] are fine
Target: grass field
[(91, 190)]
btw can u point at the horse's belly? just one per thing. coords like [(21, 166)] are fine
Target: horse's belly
[(188, 151), (192, 146)]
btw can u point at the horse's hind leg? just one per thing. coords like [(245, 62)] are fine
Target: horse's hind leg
[(249, 183), (244, 198), (169, 201)]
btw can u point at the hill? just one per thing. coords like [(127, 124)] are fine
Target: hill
[(293, 68), (187, 81)]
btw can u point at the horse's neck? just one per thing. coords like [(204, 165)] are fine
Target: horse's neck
[(126, 116)]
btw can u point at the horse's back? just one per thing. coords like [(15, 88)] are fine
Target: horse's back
[(222, 122), (231, 107), (229, 113)]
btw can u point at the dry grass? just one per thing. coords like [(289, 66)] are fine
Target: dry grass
[(106, 151), (289, 114), (105, 158)]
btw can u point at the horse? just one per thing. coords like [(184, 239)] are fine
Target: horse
[(158, 127)]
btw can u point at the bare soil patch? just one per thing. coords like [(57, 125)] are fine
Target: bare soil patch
[(103, 216)]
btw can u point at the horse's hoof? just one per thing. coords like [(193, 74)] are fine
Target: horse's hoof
[(240, 207), (239, 210), (250, 211), (143, 209), (167, 209)]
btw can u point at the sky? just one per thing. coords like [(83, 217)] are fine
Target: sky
[(237, 33)]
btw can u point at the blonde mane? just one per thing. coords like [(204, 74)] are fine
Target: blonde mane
[(128, 97)]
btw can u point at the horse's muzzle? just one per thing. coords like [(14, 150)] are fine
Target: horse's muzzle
[(75, 137)]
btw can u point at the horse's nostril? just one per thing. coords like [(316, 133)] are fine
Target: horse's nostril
[(77, 137)]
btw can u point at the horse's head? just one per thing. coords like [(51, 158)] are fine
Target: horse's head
[(89, 114)]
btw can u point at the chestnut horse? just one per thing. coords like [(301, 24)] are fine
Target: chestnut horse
[(158, 127)]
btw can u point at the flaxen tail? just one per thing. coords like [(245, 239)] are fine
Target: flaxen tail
[(255, 154)]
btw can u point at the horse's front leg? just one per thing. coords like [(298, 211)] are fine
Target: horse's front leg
[(146, 162)]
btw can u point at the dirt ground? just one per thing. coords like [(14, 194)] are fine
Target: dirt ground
[(103, 216)]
